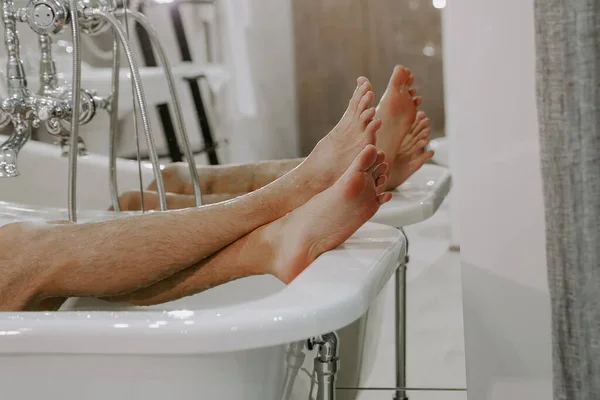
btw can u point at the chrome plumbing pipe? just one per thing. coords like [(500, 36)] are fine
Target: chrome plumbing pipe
[(114, 124), (294, 358), (179, 123), (48, 80), (135, 123), (400, 326), (139, 95), (10, 149), (326, 364), (15, 105), (75, 99), (15, 73)]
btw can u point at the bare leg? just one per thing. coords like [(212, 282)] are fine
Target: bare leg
[(225, 179), (397, 111), (112, 257), (119, 256), (284, 248), (409, 159), (132, 200)]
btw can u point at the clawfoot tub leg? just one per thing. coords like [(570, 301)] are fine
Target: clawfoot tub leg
[(326, 364), (400, 311)]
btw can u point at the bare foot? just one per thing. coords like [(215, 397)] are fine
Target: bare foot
[(397, 110), (336, 151), (329, 218), (418, 131), (412, 154)]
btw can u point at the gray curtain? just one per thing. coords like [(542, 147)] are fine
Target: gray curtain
[(568, 96)]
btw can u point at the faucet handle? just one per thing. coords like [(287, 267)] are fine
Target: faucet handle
[(47, 17), (45, 113)]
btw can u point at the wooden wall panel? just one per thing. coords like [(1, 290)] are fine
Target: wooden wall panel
[(399, 33), (331, 52), (338, 40)]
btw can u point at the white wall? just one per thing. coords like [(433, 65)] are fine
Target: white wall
[(272, 132), (492, 125)]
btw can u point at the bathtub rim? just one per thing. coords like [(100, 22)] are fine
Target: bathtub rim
[(417, 199)]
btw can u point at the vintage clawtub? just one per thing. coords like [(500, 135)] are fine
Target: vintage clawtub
[(230, 342)]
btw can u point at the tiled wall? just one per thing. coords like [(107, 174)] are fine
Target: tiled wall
[(338, 40)]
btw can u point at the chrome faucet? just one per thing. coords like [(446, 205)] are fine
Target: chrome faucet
[(16, 107), (63, 109), (25, 110)]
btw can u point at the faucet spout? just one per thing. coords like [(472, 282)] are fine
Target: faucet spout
[(9, 150)]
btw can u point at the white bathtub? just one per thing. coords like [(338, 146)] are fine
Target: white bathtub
[(43, 178), (225, 343)]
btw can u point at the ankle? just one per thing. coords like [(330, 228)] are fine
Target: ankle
[(261, 250), (291, 251), (310, 179), (278, 247)]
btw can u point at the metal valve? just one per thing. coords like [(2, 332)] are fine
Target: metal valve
[(94, 26), (47, 17), (87, 107)]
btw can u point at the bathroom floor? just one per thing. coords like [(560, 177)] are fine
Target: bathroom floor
[(435, 337)]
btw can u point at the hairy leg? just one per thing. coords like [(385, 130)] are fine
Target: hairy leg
[(284, 248), (107, 258), (225, 179), (41, 260), (132, 200)]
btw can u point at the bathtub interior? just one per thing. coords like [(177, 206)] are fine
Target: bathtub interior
[(236, 292), (43, 179)]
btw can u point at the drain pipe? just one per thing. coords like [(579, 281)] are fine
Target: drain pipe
[(327, 364)]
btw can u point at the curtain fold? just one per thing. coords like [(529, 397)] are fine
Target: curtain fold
[(568, 97)]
